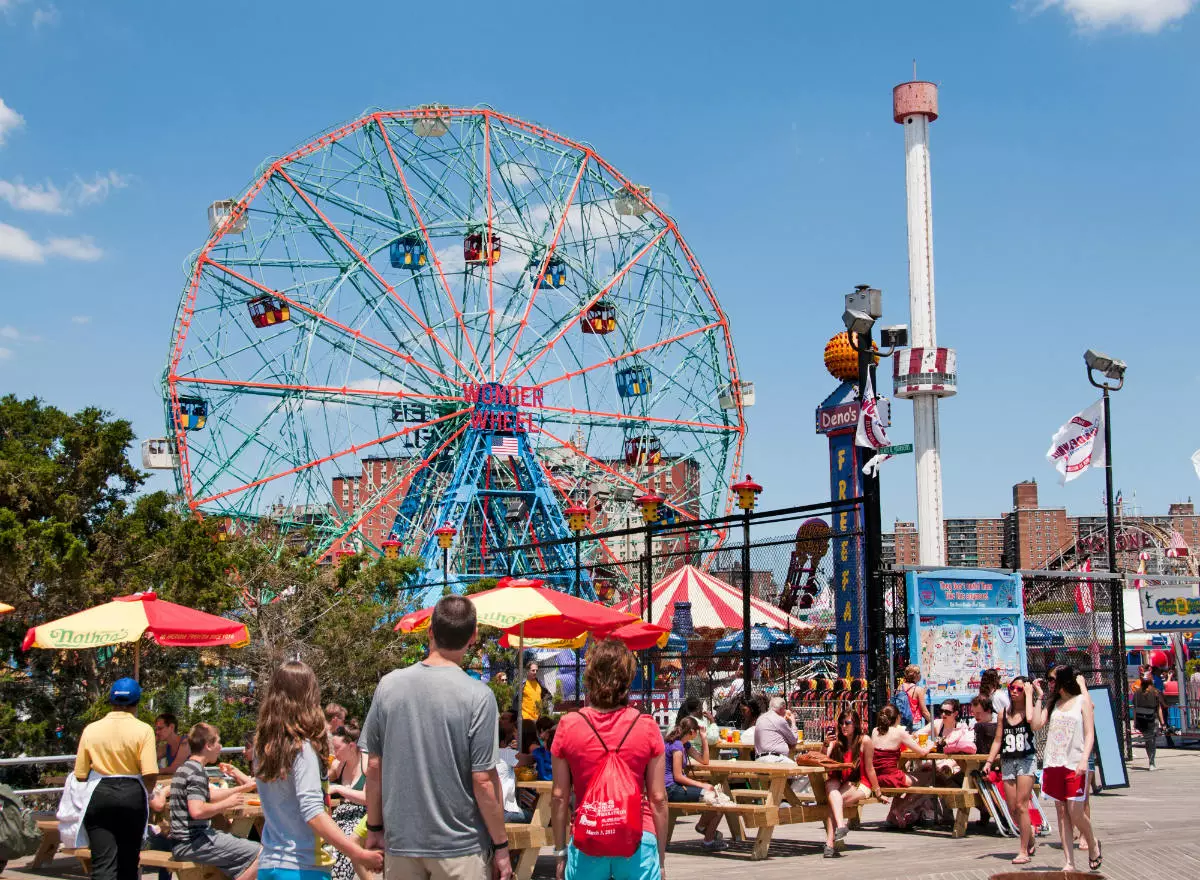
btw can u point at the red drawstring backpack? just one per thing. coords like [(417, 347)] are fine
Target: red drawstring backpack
[(608, 816)]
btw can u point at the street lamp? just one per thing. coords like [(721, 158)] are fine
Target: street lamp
[(577, 520), (391, 548), (1114, 371), (747, 492), (863, 307), (649, 505), (445, 537)]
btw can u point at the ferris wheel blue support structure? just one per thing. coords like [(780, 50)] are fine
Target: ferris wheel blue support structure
[(499, 496)]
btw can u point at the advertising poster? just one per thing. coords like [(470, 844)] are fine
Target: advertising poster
[(961, 622), (849, 574), (1170, 609)]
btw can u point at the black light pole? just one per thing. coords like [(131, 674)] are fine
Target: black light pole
[(747, 492), (649, 504), (863, 307), (577, 521), (1115, 370), (445, 536)]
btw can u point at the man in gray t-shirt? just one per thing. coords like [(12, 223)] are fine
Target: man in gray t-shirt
[(433, 793)]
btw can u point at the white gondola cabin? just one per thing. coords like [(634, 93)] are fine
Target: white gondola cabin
[(735, 390), (628, 202), (218, 213), (158, 454), (433, 125)]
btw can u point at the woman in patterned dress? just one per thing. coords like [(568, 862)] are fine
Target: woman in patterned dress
[(348, 785)]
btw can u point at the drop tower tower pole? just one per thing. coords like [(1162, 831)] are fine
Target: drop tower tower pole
[(924, 373)]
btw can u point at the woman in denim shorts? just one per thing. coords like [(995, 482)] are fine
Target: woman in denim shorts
[(1018, 762)]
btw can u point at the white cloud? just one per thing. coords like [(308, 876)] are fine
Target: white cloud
[(81, 319), (44, 198), (8, 331), (10, 120), (5, 354), (19, 246), (1147, 16), (97, 190), (45, 16), (81, 248), (47, 198)]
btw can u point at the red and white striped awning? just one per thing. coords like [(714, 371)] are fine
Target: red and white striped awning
[(716, 605)]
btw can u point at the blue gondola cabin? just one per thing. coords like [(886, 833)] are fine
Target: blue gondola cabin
[(408, 252), (634, 381), (600, 318), (554, 276), (267, 310), (641, 451), (193, 413), (475, 252)]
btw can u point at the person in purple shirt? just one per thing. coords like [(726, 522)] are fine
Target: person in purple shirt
[(681, 788)]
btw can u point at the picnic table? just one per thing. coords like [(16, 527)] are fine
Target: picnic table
[(961, 798), (766, 807), (745, 750), (527, 840)]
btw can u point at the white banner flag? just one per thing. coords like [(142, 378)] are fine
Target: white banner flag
[(1079, 444), (872, 426), (1196, 461)]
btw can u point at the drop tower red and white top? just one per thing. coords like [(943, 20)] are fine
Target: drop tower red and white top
[(925, 372)]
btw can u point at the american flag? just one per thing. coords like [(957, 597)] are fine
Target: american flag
[(504, 446)]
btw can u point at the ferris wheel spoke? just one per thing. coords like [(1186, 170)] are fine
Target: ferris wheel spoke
[(573, 319), (621, 419), (319, 392), (371, 270), (332, 456), (542, 268), (402, 485), (612, 472), (430, 249), (608, 362), (491, 267), (325, 319)]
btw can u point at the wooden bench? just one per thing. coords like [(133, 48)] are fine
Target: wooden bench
[(156, 859), (524, 844), (49, 845), (961, 800)]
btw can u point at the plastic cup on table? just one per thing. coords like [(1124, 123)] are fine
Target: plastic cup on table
[(922, 739)]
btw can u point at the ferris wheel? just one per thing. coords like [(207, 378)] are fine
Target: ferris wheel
[(447, 324)]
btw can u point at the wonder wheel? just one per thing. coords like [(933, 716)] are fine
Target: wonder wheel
[(448, 321)]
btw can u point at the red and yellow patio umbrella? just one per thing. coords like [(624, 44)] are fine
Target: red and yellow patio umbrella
[(128, 618), (6, 608), (523, 607)]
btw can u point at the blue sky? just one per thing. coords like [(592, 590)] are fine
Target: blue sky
[(1065, 190)]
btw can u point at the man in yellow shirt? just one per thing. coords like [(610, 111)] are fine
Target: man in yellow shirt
[(529, 694), (120, 749)]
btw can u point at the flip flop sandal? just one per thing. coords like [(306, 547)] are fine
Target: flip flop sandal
[(1021, 860), (1095, 863)]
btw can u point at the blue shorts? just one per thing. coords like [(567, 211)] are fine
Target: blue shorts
[(642, 865), (293, 874), (1011, 768)]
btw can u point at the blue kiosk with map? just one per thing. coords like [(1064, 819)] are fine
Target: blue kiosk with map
[(962, 621)]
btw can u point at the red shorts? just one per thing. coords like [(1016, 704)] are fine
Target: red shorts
[(1063, 784)]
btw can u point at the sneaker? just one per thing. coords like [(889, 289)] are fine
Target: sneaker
[(1151, 768), (715, 845), (841, 832), (832, 853)]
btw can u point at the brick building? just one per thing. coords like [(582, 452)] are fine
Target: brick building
[(1031, 536)]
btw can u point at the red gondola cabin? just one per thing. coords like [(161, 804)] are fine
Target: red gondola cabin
[(267, 310), (600, 318), (475, 252)]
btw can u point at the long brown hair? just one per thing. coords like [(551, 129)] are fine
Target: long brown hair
[(847, 748), (609, 673), (290, 715)]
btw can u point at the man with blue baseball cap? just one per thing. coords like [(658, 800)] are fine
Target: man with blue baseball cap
[(117, 760)]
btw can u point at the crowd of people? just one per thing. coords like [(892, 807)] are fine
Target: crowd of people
[(426, 785)]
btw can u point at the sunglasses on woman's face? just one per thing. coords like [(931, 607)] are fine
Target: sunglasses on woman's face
[(848, 721), (947, 711)]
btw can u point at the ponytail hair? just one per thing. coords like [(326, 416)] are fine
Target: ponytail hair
[(682, 728), (885, 718)]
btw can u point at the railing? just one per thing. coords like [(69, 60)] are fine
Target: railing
[(63, 759)]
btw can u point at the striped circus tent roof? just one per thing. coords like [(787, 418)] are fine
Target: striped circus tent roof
[(716, 605)]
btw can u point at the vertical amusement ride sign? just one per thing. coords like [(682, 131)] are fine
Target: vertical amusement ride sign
[(961, 622)]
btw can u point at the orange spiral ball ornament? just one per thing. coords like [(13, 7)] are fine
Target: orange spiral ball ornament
[(841, 360)]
